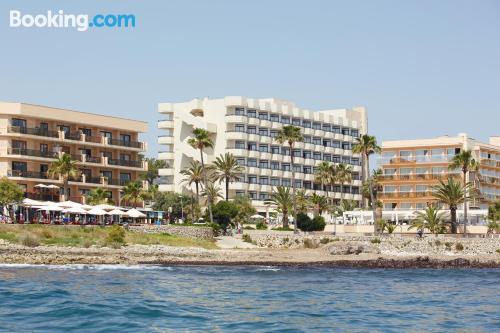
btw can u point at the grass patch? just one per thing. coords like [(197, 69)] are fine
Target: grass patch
[(459, 247), (310, 244), (376, 241), (78, 236), (498, 251), (282, 229), (246, 238), (448, 245)]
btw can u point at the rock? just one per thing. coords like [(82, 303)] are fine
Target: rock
[(346, 248)]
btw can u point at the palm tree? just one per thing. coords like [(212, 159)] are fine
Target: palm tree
[(133, 193), (212, 193), (291, 134), (282, 198), (343, 174), (320, 203), (201, 141), (367, 145), (430, 219), (325, 175), (450, 193), (193, 175), (303, 203), (227, 169), (66, 168), (97, 196), (464, 161), (153, 166)]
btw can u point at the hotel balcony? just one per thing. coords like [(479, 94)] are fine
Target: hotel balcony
[(236, 135), (75, 136), (404, 195), (165, 124), (233, 118), (165, 139), (166, 155), (166, 172)]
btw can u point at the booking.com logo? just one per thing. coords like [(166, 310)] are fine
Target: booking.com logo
[(80, 22)]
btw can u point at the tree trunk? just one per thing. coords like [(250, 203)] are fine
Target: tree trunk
[(197, 192), (366, 177), (465, 202), (66, 189), (205, 182), (285, 219), (227, 188), (372, 197), (295, 230), (453, 216)]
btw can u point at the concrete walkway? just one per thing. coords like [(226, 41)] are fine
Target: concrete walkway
[(233, 242)]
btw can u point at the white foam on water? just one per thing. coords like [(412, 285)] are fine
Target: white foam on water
[(97, 267), (268, 269)]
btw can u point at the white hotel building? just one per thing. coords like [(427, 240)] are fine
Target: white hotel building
[(245, 127)]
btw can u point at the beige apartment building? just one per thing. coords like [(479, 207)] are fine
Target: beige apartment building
[(412, 167), (245, 127), (106, 149)]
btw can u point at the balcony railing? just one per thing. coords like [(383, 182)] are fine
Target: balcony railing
[(33, 131), (76, 136), (125, 143), (126, 163), (390, 195), (93, 159), (27, 174), (32, 152), (418, 177)]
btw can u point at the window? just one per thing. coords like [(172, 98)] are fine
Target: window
[(307, 185), (346, 159), (275, 181), (297, 153), (327, 143), (298, 183), (327, 157), (44, 127), (263, 196), (336, 129), (405, 188), (306, 154), (252, 162), (307, 169), (44, 148), (285, 182), (346, 145), (336, 159), (405, 155), (107, 174), (125, 178), (124, 157), (421, 188), (107, 154), (355, 161), (317, 156), (317, 126), (239, 111), (285, 167), (422, 155), (263, 115), (16, 144), (274, 133), (86, 131), (264, 164), (275, 165), (263, 131), (336, 144), (346, 131), (285, 151), (125, 138), (239, 128), (240, 161), (296, 121), (264, 148), (252, 179), (19, 166), (285, 120), (108, 135), (275, 117), (252, 146), (326, 127), (306, 123), (389, 188), (18, 122), (307, 139), (355, 133), (275, 149), (317, 140), (252, 113), (264, 181), (240, 193), (251, 130), (239, 145), (252, 195), (297, 168)]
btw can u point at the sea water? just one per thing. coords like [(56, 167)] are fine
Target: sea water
[(101, 298)]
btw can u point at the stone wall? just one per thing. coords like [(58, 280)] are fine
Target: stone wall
[(183, 231), (393, 245)]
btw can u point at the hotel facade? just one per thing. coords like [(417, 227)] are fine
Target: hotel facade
[(246, 127), (106, 150), (411, 167)]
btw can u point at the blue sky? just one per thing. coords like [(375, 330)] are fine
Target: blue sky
[(422, 68)]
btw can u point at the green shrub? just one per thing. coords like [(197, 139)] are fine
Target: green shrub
[(223, 212), (305, 223), (282, 229), (116, 237), (498, 250), (437, 242), (246, 238), (448, 245), (248, 227), (215, 228), (29, 240), (376, 241), (325, 240), (261, 226), (459, 247)]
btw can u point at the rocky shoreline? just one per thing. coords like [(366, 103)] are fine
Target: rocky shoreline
[(330, 255)]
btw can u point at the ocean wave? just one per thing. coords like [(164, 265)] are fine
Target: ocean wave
[(268, 269)]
